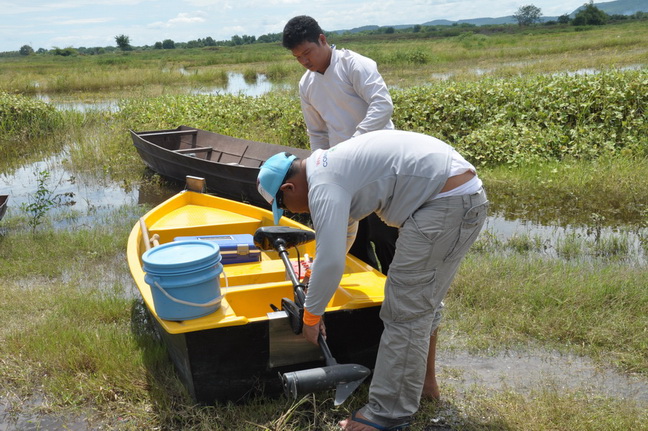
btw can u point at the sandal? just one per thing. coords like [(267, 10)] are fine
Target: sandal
[(375, 425)]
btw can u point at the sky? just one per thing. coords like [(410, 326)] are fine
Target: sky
[(91, 23)]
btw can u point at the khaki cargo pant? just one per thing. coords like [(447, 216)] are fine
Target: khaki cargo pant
[(429, 249)]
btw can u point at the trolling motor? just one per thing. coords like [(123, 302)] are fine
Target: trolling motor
[(345, 378)]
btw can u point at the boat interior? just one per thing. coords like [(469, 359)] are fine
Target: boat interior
[(207, 146)]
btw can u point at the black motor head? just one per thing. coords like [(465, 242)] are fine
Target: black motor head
[(270, 237)]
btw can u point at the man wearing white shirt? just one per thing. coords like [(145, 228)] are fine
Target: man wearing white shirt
[(342, 96)]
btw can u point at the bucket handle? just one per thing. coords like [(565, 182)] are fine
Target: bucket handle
[(211, 303)]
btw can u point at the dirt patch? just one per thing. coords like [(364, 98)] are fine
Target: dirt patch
[(525, 371)]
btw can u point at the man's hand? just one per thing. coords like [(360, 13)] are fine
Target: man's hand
[(311, 332)]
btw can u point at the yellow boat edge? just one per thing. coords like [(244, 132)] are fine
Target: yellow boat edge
[(251, 287)]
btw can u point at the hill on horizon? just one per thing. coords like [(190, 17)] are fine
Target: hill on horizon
[(617, 7)]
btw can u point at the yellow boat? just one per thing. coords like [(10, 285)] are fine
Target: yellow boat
[(239, 349)]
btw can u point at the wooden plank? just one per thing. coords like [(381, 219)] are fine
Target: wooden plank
[(193, 150)]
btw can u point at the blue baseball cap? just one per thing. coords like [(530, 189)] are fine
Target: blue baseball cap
[(271, 176)]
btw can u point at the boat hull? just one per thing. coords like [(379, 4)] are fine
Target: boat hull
[(242, 362), (229, 165), (239, 350)]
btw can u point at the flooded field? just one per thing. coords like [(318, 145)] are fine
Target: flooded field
[(88, 198)]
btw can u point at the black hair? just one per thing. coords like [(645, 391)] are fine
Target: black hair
[(301, 29)]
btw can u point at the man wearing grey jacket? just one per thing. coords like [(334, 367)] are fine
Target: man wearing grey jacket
[(427, 190)]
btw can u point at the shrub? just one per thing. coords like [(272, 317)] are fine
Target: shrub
[(493, 122), (527, 119), (22, 116)]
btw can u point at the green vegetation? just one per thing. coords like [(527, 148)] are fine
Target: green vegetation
[(24, 117), (403, 59), (577, 304), (43, 200), (608, 191), (557, 147), (539, 118), (494, 122), (274, 117), (590, 15), (76, 348), (527, 16)]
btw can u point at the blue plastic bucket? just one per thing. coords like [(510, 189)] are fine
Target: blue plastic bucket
[(184, 278)]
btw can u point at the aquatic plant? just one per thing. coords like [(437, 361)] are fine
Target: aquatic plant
[(43, 200)]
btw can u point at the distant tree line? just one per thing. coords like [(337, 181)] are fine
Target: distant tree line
[(526, 16), (589, 14)]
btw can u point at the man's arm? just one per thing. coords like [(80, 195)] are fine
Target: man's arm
[(333, 230), (370, 86)]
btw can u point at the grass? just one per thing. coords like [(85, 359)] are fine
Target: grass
[(603, 192), (75, 347), (76, 293), (580, 305)]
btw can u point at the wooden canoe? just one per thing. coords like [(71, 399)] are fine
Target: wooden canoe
[(239, 350), (3, 205), (229, 165)]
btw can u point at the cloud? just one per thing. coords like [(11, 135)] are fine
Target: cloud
[(282, 2), (180, 20), (212, 4), (44, 23), (184, 18), (237, 29)]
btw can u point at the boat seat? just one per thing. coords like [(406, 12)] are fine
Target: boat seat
[(196, 220), (169, 133)]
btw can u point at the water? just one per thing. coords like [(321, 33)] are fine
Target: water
[(104, 105), (88, 199), (95, 196), (236, 84), (481, 71), (524, 371)]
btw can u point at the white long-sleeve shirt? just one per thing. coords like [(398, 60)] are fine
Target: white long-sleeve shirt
[(389, 172), (350, 98)]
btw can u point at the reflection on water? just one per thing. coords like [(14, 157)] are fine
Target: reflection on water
[(92, 197), (481, 71), (104, 105), (236, 84), (626, 242)]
